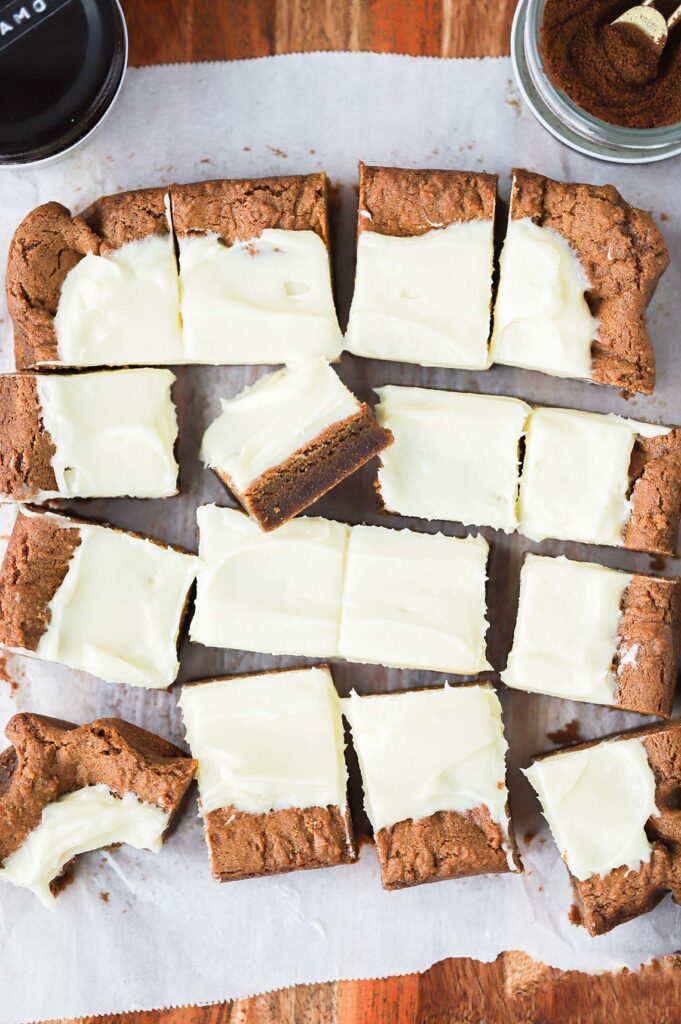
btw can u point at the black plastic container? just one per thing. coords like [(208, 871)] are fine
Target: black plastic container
[(62, 64)]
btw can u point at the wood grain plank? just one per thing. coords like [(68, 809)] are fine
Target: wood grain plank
[(191, 30)]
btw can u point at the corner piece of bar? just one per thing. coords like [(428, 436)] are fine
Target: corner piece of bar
[(624, 854), (434, 777), (84, 290), (598, 260), (67, 789), (273, 786)]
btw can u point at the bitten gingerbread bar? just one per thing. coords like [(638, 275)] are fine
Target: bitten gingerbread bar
[(578, 268), (85, 435), (99, 289), (612, 807), (255, 270), (590, 633), (423, 284), (434, 776), (272, 775), (94, 598), (288, 439), (67, 789)]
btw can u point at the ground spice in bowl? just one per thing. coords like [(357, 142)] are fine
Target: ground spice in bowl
[(612, 72)]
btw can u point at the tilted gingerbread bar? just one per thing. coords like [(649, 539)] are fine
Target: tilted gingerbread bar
[(255, 270), (288, 439), (423, 285), (94, 598), (612, 807), (99, 289), (590, 633), (272, 773), (578, 269), (85, 435), (67, 789), (434, 776)]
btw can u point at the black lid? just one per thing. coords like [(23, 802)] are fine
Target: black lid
[(61, 65)]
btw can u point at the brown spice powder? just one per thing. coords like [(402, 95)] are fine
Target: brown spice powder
[(612, 72)]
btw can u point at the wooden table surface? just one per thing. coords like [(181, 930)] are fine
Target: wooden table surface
[(513, 990)]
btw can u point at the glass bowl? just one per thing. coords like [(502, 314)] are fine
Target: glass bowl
[(568, 122)]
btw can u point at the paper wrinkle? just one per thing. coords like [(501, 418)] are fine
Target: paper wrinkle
[(150, 139)]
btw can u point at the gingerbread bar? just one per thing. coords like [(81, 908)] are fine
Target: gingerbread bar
[(288, 439), (414, 600), (612, 807), (67, 789), (578, 269), (277, 592), (423, 285), (434, 776), (589, 633), (454, 457), (94, 598), (255, 270), (601, 480), (85, 435), (100, 289), (272, 775)]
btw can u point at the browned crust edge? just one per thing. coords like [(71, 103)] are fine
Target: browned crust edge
[(284, 491), (245, 845), (655, 494), (650, 623), (49, 758), (243, 209), (447, 844), (405, 202), (26, 448), (624, 255)]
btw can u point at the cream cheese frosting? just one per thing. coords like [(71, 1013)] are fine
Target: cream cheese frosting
[(566, 632), (597, 802), (541, 317), (84, 820), (122, 308), (266, 423), (455, 456), (267, 742), (277, 593), (114, 433), (426, 298), (118, 611), (425, 751), (260, 300), (414, 600), (575, 477)]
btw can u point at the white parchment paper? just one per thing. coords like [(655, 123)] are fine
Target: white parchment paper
[(136, 930)]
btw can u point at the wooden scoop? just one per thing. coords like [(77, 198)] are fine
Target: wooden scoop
[(647, 19)]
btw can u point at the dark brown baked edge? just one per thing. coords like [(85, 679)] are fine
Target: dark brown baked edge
[(243, 845), (50, 758), (623, 254), (447, 844), (651, 621), (655, 473), (403, 202), (604, 901), (284, 491), (26, 448), (49, 243), (240, 209)]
